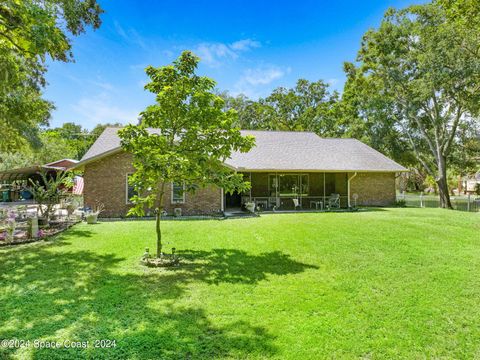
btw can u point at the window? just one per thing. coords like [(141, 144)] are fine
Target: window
[(178, 193), (130, 190)]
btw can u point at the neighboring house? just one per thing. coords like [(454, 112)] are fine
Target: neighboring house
[(472, 183), (285, 169)]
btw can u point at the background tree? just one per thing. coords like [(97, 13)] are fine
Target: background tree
[(367, 114), (420, 72), (31, 30), (248, 118), (309, 106), (195, 137), (75, 140), (68, 141)]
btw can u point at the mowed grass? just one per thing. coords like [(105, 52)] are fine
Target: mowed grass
[(390, 283)]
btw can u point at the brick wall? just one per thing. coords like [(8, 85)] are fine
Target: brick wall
[(377, 189), (106, 183)]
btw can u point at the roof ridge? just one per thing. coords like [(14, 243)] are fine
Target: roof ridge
[(337, 138), (282, 131)]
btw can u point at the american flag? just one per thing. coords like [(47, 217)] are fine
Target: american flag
[(77, 185)]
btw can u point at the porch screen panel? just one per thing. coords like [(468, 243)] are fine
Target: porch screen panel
[(288, 185), (272, 185), (259, 184), (341, 186), (316, 184), (329, 184), (304, 185)]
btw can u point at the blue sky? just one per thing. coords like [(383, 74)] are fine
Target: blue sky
[(248, 47)]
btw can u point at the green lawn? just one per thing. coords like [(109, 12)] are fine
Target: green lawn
[(391, 283)]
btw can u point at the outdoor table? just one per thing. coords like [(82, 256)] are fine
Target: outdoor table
[(316, 203)]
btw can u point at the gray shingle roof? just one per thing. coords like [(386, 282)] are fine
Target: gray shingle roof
[(282, 150), (107, 141), (285, 150)]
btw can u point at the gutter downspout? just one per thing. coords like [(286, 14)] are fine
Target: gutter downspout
[(348, 187)]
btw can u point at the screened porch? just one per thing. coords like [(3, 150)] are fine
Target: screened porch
[(294, 191)]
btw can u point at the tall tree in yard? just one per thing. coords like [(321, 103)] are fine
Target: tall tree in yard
[(31, 31), (421, 71), (193, 136)]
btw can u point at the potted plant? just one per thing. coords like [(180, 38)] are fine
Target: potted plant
[(250, 206), (92, 216)]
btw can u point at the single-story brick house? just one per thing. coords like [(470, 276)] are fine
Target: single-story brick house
[(287, 170)]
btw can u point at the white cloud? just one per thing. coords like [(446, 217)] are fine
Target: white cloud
[(262, 76), (100, 109), (103, 85), (130, 35), (136, 67), (245, 45), (332, 81), (120, 30), (168, 53), (253, 81), (213, 53)]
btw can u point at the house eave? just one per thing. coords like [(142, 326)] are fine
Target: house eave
[(81, 164), (242, 169)]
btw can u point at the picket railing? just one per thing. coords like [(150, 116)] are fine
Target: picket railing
[(469, 202)]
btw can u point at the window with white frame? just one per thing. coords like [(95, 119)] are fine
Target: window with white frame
[(178, 193)]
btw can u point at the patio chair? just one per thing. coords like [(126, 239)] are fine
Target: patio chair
[(334, 201), (296, 204)]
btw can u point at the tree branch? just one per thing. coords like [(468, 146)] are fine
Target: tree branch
[(447, 146), (417, 153)]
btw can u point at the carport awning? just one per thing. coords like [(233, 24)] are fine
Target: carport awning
[(25, 173)]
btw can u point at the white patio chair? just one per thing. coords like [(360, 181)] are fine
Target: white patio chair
[(334, 201), (296, 204)]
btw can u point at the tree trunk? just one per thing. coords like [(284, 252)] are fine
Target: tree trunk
[(442, 183), (158, 213)]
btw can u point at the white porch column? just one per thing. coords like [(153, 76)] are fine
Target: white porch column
[(324, 195), (222, 199), (251, 186)]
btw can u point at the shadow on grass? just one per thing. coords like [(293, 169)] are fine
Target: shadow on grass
[(237, 266), (48, 294)]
